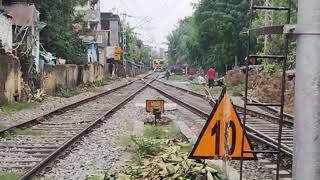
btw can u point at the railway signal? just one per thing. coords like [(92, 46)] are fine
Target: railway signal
[(221, 136)]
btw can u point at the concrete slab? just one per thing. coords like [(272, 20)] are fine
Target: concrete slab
[(186, 131)]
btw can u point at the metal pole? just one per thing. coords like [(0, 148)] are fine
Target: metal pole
[(306, 157), (244, 121)]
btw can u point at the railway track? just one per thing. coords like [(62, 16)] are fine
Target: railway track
[(261, 127), (58, 130), (272, 110)]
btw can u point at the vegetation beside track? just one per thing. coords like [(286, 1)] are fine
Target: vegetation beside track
[(27, 132), (14, 107), (9, 175), (162, 153), (65, 92)]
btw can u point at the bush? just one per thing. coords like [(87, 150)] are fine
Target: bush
[(64, 92), (147, 147)]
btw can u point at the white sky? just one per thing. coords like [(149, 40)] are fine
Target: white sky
[(154, 19)]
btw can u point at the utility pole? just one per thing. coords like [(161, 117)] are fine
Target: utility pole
[(124, 43), (306, 157), (268, 21)]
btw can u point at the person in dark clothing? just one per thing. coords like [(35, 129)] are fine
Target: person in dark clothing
[(211, 76), (167, 75)]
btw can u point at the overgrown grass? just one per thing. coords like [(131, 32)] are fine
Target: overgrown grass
[(215, 91), (65, 92), (178, 78), (162, 132), (147, 147), (2, 126), (9, 175), (235, 90), (98, 83), (27, 132), (96, 177), (14, 107), (151, 143)]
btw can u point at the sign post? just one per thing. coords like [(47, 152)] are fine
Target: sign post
[(117, 53), (221, 137)]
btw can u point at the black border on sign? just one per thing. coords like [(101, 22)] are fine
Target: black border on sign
[(155, 100), (223, 93)]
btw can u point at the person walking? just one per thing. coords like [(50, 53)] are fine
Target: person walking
[(211, 76)]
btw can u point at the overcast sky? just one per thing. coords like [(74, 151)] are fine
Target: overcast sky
[(153, 19)]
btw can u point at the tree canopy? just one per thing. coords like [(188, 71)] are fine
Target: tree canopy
[(59, 36), (213, 34)]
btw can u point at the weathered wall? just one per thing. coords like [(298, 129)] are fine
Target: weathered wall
[(6, 32), (72, 75), (54, 75), (94, 72), (114, 34), (10, 77)]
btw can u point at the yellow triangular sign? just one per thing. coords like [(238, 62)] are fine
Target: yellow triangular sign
[(215, 141)]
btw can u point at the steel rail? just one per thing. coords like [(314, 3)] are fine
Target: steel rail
[(42, 164), (252, 131), (249, 112), (272, 110), (63, 109)]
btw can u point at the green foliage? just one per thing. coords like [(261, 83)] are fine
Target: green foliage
[(14, 107), (147, 147), (98, 83), (162, 132), (27, 132), (2, 126), (269, 67), (215, 91), (64, 92), (96, 177), (277, 41), (178, 78), (236, 90), (136, 50), (212, 35), (9, 175), (58, 36)]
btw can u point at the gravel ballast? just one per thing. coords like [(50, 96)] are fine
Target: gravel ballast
[(52, 103)]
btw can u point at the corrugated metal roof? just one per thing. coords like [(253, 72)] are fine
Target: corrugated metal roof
[(22, 14)]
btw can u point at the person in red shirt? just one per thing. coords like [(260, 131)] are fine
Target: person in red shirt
[(211, 76)]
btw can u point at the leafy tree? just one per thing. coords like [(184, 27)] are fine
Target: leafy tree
[(135, 50), (59, 36), (220, 24), (212, 36)]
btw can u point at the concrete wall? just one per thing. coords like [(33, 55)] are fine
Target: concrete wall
[(6, 32), (54, 75), (94, 72), (10, 77), (72, 75)]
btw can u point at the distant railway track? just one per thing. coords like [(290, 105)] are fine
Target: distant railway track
[(59, 129), (260, 126), (273, 110)]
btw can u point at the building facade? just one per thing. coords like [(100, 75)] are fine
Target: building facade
[(5, 31), (25, 17)]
